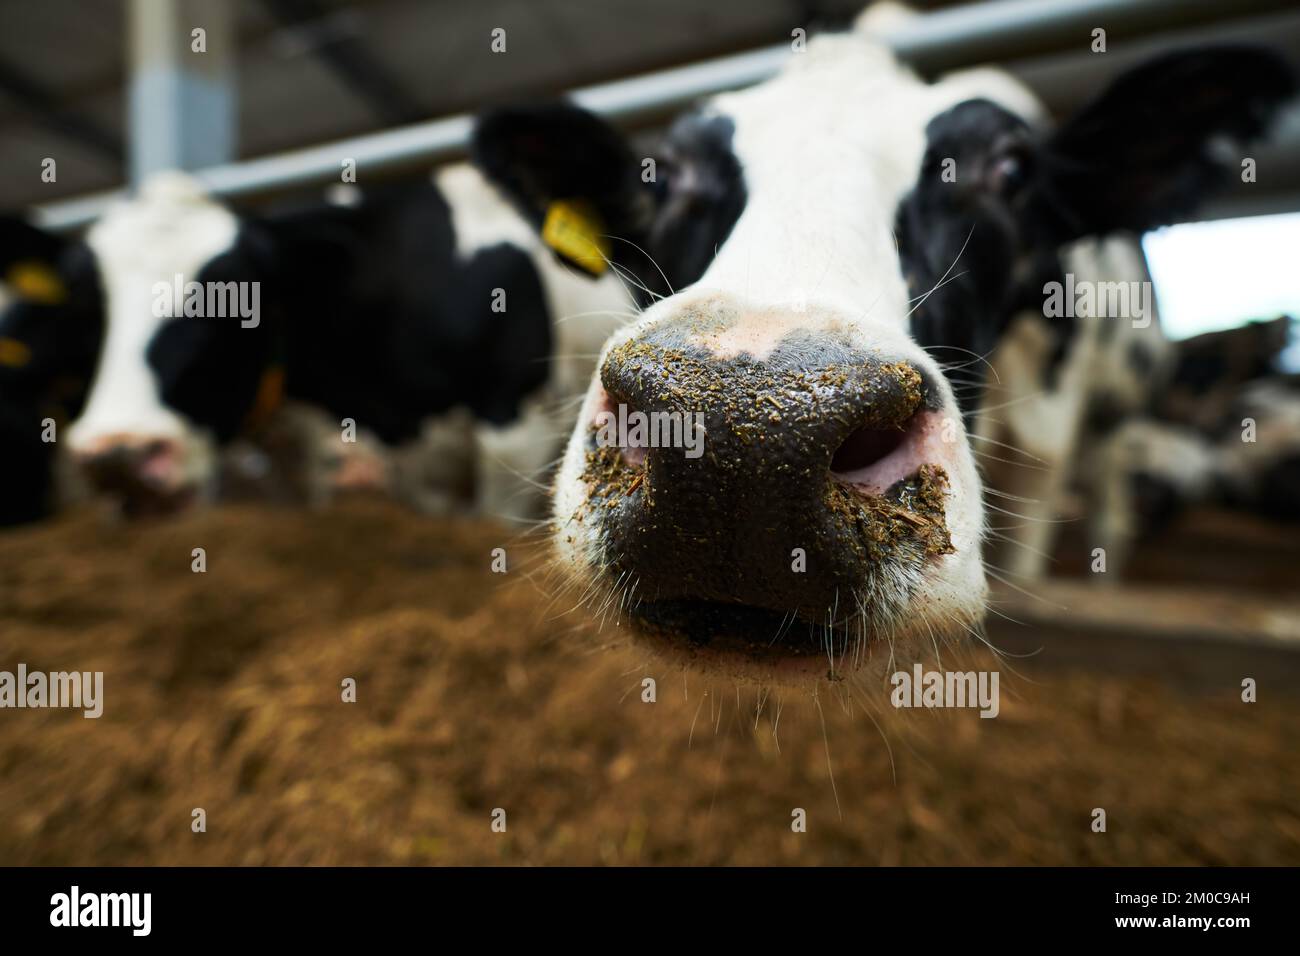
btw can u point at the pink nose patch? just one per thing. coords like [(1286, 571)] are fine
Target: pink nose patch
[(606, 415), (160, 463), (361, 472)]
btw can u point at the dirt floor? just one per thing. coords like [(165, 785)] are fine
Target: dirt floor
[(222, 692)]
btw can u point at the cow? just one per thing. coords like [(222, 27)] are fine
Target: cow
[(830, 356), (49, 335), (1210, 370), (1259, 449), (1221, 428), (405, 336), (1144, 475), (1062, 383)]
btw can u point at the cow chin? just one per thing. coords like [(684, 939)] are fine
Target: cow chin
[(904, 611), (888, 632)]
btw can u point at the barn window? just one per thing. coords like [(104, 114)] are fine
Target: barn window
[(1226, 272)]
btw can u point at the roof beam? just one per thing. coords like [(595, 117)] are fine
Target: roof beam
[(960, 36), (43, 106), (348, 57)]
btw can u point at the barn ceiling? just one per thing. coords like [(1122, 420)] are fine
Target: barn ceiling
[(315, 70)]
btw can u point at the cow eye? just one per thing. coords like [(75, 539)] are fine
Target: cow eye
[(1009, 172)]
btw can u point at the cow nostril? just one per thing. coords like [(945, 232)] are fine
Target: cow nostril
[(617, 423), (133, 470), (110, 463), (633, 455), (156, 446), (866, 446)]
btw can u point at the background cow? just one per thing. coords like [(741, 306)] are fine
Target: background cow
[(376, 319), (1221, 427), (49, 336)]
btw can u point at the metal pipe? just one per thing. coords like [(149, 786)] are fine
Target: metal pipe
[(1019, 29), (946, 39)]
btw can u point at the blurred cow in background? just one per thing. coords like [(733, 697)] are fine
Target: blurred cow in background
[(1221, 428), (1058, 387), (417, 337), (50, 327), (425, 339), (1260, 449)]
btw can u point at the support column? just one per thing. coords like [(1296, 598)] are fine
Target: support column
[(181, 91)]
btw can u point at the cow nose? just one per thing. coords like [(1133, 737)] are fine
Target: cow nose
[(810, 472), (143, 473)]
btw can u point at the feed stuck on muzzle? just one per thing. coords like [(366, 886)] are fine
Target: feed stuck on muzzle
[(724, 527)]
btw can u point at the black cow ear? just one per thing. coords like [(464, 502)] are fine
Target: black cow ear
[(569, 173), (1141, 154)]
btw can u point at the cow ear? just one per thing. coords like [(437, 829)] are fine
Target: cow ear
[(1142, 153), (568, 172)]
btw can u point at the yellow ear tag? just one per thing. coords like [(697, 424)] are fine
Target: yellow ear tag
[(574, 229), (36, 282), (14, 354)]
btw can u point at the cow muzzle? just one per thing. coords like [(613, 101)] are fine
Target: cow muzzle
[(769, 507), (146, 475)]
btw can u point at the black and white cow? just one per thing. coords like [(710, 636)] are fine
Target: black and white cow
[(1222, 429), (831, 353), (49, 334), (426, 315), (1059, 391), (1259, 449)]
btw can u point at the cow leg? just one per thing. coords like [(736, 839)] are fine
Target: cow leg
[(1113, 520), (435, 473), (1034, 431)]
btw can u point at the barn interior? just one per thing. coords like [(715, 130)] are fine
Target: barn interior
[(1164, 689)]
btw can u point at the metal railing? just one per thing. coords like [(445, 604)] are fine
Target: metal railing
[(934, 42)]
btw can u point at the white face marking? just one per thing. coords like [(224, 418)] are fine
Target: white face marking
[(170, 229), (584, 311), (828, 149), (480, 216)]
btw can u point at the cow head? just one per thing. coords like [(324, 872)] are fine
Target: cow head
[(362, 312), (171, 382), (771, 469), (49, 320), (211, 319)]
